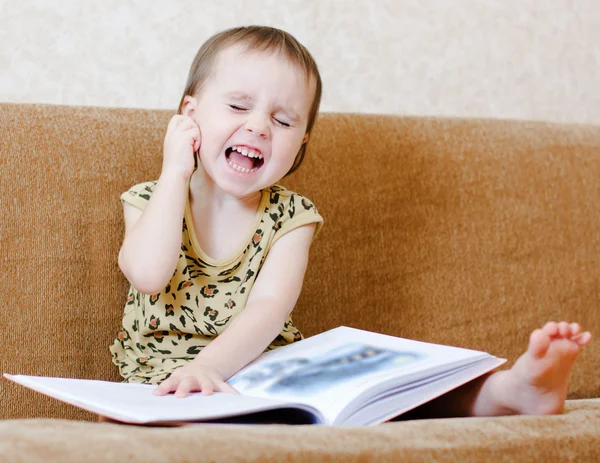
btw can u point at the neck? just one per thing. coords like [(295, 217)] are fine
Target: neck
[(205, 193)]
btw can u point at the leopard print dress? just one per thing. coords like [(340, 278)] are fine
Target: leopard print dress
[(164, 331)]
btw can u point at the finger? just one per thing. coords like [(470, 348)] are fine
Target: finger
[(174, 122), (224, 387), (189, 122), (187, 385), (192, 121), (207, 385), (192, 132), (168, 385), (195, 144)]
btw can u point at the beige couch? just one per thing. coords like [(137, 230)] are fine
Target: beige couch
[(464, 232)]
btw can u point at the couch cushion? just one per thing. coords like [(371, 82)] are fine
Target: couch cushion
[(572, 436)]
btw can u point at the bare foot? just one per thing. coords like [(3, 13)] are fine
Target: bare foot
[(537, 382)]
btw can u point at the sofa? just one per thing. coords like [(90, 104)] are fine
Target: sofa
[(467, 232)]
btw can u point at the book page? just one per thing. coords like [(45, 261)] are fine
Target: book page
[(399, 400), (135, 403), (330, 370)]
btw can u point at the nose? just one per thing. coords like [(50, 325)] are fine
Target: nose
[(258, 125)]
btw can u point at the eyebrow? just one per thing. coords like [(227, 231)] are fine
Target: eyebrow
[(291, 114), (244, 97), (240, 96)]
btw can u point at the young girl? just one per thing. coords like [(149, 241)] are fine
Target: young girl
[(216, 251), (205, 245)]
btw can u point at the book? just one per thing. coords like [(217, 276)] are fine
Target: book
[(342, 377)]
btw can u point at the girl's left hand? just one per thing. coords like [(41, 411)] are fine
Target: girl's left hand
[(194, 378)]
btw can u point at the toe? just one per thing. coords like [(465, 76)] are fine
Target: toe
[(564, 330), (575, 329), (583, 339), (551, 328), (539, 341)]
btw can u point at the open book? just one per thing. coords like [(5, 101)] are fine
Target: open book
[(344, 376)]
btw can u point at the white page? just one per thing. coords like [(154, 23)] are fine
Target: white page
[(135, 403), (301, 372), (394, 404)]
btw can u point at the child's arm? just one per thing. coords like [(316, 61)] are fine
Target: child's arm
[(152, 242), (271, 300)]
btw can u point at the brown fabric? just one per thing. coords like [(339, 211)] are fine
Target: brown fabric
[(465, 232), (570, 437)]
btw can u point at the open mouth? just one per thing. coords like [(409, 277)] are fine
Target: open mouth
[(244, 159)]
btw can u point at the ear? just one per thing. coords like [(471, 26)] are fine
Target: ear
[(305, 139), (189, 106)]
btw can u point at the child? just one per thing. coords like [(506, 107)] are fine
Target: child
[(216, 251), (205, 245)]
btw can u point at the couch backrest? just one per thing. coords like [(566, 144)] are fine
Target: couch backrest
[(464, 232)]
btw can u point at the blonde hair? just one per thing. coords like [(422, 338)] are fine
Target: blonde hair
[(256, 38)]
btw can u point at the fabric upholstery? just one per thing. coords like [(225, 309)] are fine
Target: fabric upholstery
[(570, 437)]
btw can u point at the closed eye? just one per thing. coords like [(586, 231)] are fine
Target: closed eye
[(282, 123), (236, 107)]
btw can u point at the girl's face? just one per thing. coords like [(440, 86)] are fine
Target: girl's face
[(252, 113)]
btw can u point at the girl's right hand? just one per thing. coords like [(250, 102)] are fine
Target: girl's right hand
[(181, 142), (194, 377)]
